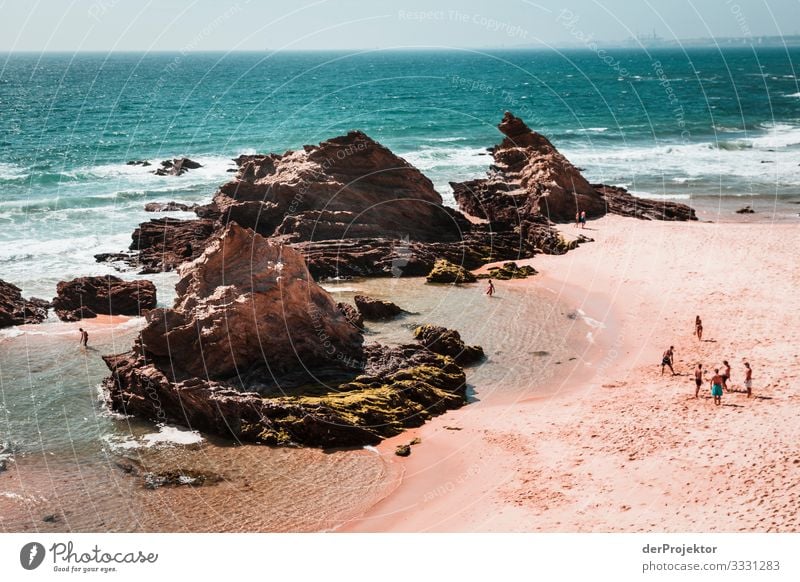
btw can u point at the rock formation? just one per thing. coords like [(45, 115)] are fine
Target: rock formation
[(446, 272), (165, 243), (508, 271), (86, 297), (349, 187), (376, 309), (447, 342), (531, 181), (254, 349), (620, 201), (176, 167), (15, 310), (170, 206)]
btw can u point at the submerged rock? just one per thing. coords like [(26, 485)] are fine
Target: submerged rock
[(86, 297), (176, 167), (447, 342), (746, 210), (255, 350), (446, 272), (376, 309), (16, 310), (170, 206)]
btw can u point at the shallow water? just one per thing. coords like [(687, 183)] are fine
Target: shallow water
[(73, 459)]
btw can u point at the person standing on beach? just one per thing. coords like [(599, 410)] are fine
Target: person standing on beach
[(666, 360), (490, 288), (698, 379), (726, 375), (698, 328), (583, 219), (716, 387), (748, 379), (577, 219), (84, 341)]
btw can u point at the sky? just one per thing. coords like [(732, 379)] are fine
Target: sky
[(224, 25)]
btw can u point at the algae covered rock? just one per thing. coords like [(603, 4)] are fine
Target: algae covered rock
[(376, 309), (447, 342), (446, 272), (508, 271)]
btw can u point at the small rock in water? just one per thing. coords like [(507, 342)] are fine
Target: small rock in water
[(51, 518), (745, 210)]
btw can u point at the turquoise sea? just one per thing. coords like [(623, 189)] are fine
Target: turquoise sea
[(713, 128)]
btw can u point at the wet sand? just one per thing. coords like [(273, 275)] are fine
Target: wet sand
[(615, 446)]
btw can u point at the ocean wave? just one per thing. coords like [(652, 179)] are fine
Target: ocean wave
[(793, 95), (12, 172)]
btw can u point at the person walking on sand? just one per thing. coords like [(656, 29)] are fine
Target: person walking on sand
[(748, 379), (698, 379), (583, 219), (84, 341), (698, 328), (577, 219), (716, 387), (726, 375), (666, 360), (490, 288)]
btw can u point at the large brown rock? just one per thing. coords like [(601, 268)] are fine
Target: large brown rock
[(531, 183), (86, 297), (254, 349), (529, 176), (240, 275), (15, 310), (376, 309), (348, 187)]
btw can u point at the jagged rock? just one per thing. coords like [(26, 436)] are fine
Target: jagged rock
[(170, 206), (255, 350), (347, 187), (351, 314), (176, 167), (15, 310), (402, 450), (447, 342), (165, 243), (529, 176), (531, 183), (376, 309), (621, 202), (446, 272), (86, 297), (508, 271), (143, 163), (745, 210)]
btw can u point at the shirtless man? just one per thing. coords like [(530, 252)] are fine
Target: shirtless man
[(698, 379), (666, 360), (490, 288), (748, 379), (716, 387), (726, 375), (84, 337)]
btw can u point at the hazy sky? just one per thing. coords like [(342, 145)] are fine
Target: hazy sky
[(125, 25)]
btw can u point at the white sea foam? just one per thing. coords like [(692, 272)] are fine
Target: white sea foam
[(793, 95), (171, 435)]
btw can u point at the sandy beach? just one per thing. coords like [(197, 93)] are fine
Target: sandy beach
[(616, 446)]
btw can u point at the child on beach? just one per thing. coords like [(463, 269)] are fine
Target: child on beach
[(490, 288), (748, 379), (666, 360), (583, 219), (716, 387), (698, 328), (698, 379)]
